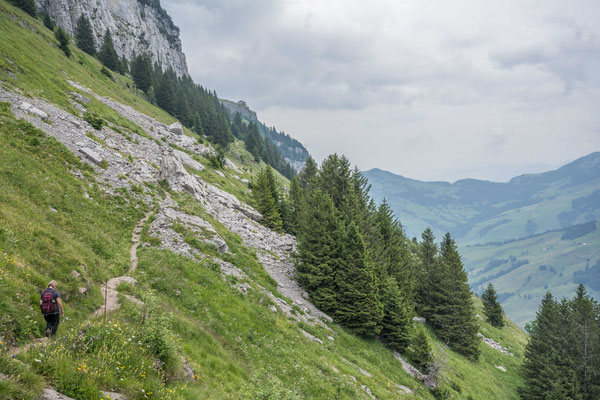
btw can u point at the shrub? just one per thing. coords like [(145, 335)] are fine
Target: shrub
[(93, 119), (106, 72)]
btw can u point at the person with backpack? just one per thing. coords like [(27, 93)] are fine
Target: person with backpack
[(52, 308)]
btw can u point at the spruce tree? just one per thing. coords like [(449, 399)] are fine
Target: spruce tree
[(26, 5), (539, 370), (491, 307), (124, 65), (266, 199), (456, 312), (141, 72), (426, 271), (419, 351), (295, 205), (397, 317), (84, 36), (107, 54), (308, 174), (63, 41), (48, 23), (165, 94), (320, 235), (358, 306), (585, 342), (393, 251), (334, 178), (252, 141)]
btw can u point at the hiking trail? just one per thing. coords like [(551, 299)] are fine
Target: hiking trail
[(109, 291)]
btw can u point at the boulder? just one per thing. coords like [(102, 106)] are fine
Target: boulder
[(222, 175), (79, 98), (243, 287), (75, 274), (113, 395), (30, 109), (51, 394), (91, 155), (177, 177), (176, 128), (187, 161)]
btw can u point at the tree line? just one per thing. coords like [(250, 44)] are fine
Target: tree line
[(357, 264)]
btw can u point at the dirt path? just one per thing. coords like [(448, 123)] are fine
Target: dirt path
[(135, 239), (17, 350), (110, 289)]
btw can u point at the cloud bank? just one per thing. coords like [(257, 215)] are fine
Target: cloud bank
[(426, 89)]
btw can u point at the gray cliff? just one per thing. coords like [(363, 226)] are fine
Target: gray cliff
[(135, 27)]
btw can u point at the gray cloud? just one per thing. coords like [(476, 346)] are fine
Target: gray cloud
[(429, 90)]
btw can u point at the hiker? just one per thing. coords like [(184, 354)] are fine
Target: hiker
[(52, 308)]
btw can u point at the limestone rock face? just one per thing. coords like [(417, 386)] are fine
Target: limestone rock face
[(135, 28), (178, 178)]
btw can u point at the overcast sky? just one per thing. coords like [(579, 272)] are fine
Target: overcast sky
[(432, 90)]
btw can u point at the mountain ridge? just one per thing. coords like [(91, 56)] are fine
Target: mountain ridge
[(487, 199)]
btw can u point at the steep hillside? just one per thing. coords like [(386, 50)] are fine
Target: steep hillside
[(172, 290), (477, 211), (137, 27)]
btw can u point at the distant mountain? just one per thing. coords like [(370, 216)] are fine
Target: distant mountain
[(535, 233), (477, 211), (292, 150)]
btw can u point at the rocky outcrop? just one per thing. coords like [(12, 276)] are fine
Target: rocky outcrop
[(495, 345), (135, 27), (177, 177)]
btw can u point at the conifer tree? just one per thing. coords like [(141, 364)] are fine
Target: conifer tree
[(84, 36), (397, 317), (48, 23), (124, 65), (393, 252), (141, 72), (539, 369), (308, 173), (419, 351), (165, 94), (252, 141), (585, 341), (455, 313), (295, 205), (358, 306), (426, 272), (63, 41), (26, 5), (107, 54), (320, 235), (491, 307), (334, 178), (266, 199)]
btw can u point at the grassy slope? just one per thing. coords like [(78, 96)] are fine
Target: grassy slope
[(237, 346)]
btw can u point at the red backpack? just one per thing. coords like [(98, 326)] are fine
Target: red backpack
[(47, 303)]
